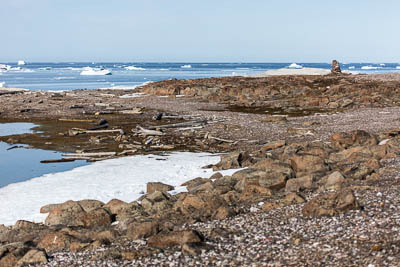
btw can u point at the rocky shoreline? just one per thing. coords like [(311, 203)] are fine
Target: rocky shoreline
[(316, 190)]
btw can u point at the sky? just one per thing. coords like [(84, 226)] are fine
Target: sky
[(200, 31)]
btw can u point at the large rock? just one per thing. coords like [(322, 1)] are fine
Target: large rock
[(335, 67), (354, 138), (115, 206), (166, 240), (90, 204), (34, 256), (96, 217), (299, 184), (157, 186), (56, 241), (307, 164), (330, 204), (232, 161), (66, 213), (137, 230)]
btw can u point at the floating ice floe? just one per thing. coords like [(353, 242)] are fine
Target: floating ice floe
[(186, 66), (134, 68), (2, 84), (369, 67), (123, 178), (21, 62), (352, 67), (295, 66), (93, 71), (4, 67), (397, 67)]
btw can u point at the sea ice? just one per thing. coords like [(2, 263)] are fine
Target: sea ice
[(295, 66), (21, 62), (123, 178), (134, 68), (93, 71), (369, 67), (186, 66)]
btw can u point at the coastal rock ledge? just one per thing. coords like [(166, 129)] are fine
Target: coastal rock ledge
[(323, 179)]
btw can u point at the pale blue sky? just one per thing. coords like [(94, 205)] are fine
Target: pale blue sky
[(213, 31)]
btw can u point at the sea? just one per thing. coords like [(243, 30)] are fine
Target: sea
[(58, 76), (19, 163)]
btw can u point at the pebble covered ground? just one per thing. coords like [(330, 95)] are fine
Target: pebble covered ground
[(283, 236)]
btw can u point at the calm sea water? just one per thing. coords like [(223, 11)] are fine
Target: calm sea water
[(66, 76)]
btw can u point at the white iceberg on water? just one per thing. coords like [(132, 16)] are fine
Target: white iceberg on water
[(295, 66), (369, 67), (5, 67), (93, 71), (134, 68), (186, 66), (21, 62), (352, 67), (2, 84), (397, 67)]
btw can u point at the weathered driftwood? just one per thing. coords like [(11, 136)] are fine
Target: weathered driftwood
[(180, 124), (189, 128), (56, 160), (74, 120), (146, 132), (75, 131), (220, 139), (132, 111), (94, 154)]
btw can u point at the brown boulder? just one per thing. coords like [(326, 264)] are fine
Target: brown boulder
[(330, 204), (96, 217), (115, 206), (137, 230), (195, 182), (56, 241), (354, 138), (166, 240), (66, 213), (299, 184), (272, 145), (306, 164), (33, 256), (90, 204), (232, 161), (157, 186)]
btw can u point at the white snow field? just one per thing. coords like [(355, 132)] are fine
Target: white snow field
[(122, 178)]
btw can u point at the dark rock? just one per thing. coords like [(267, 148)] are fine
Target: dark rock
[(335, 67)]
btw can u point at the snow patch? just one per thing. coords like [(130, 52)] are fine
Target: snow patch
[(122, 178)]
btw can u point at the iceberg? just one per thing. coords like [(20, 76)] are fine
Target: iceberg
[(2, 84), (4, 67), (21, 62), (397, 67), (352, 67), (134, 68), (92, 71), (370, 67), (186, 66), (295, 66)]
